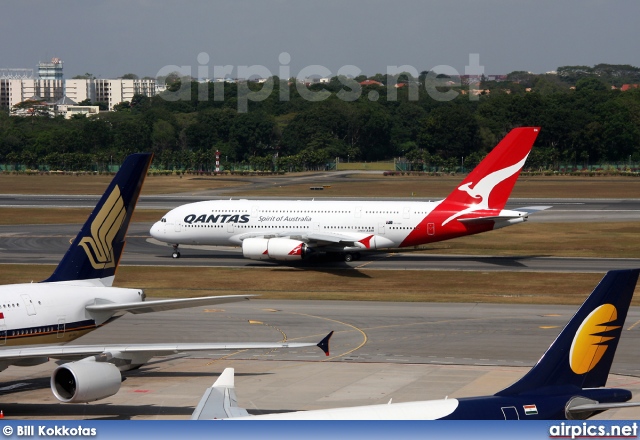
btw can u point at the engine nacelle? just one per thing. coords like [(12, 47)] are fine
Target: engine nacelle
[(85, 381), (283, 249)]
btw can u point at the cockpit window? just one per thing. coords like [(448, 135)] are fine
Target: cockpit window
[(164, 220)]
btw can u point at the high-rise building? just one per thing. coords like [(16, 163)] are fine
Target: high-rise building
[(52, 70), (14, 91), (80, 89), (51, 88), (115, 91)]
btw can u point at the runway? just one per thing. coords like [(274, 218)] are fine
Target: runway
[(575, 209), (379, 351), (35, 244)]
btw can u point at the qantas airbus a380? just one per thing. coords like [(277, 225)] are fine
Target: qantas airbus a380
[(291, 230)]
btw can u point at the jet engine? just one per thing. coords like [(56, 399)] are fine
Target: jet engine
[(284, 249), (85, 381)]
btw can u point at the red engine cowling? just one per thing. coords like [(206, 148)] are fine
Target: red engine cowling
[(283, 249)]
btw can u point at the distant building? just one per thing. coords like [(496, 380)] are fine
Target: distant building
[(626, 87), (52, 70), (19, 85), (311, 80), (68, 108), (14, 91), (80, 90), (115, 91), (110, 91)]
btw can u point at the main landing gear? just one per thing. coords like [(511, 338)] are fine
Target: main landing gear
[(176, 252), (350, 256)]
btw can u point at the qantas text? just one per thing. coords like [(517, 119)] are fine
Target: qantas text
[(217, 218)]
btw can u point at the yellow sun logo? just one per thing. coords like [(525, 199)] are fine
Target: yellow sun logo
[(591, 340)]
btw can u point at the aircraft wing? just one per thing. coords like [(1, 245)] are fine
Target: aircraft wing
[(317, 238), (75, 351), (306, 237), (137, 354), (332, 238)]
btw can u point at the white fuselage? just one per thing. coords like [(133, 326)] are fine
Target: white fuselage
[(367, 224), (228, 222), (425, 410), (45, 313)]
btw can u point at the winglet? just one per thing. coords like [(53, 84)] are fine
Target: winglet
[(96, 250), (226, 379), (324, 344), (219, 401)]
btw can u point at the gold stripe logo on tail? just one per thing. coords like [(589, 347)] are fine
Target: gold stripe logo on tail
[(592, 339), (105, 227)]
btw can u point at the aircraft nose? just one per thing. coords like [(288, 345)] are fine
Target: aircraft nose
[(156, 230)]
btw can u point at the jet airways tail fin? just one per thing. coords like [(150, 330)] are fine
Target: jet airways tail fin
[(491, 182), (96, 250), (581, 356)]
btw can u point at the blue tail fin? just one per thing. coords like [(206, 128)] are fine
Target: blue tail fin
[(581, 356), (96, 250)]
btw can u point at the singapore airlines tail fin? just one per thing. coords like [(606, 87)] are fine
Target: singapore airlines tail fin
[(95, 253), (581, 356), (489, 185)]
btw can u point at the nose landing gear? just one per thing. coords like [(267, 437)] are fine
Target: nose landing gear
[(176, 252)]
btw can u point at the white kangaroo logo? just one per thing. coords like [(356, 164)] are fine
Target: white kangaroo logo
[(482, 190)]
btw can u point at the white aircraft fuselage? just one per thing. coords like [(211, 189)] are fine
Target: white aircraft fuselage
[(54, 313), (336, 225)]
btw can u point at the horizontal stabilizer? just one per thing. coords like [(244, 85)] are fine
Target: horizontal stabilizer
[(165, 304), (593, 407), (532, 209), (103, 311), (520, 213), (492, 218)]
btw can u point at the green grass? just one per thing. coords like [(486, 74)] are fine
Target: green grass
[(347, 284), (355, 185)]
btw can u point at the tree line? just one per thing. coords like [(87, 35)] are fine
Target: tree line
[(290, 129)]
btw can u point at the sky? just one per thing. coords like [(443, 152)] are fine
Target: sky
[(109, 38)]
